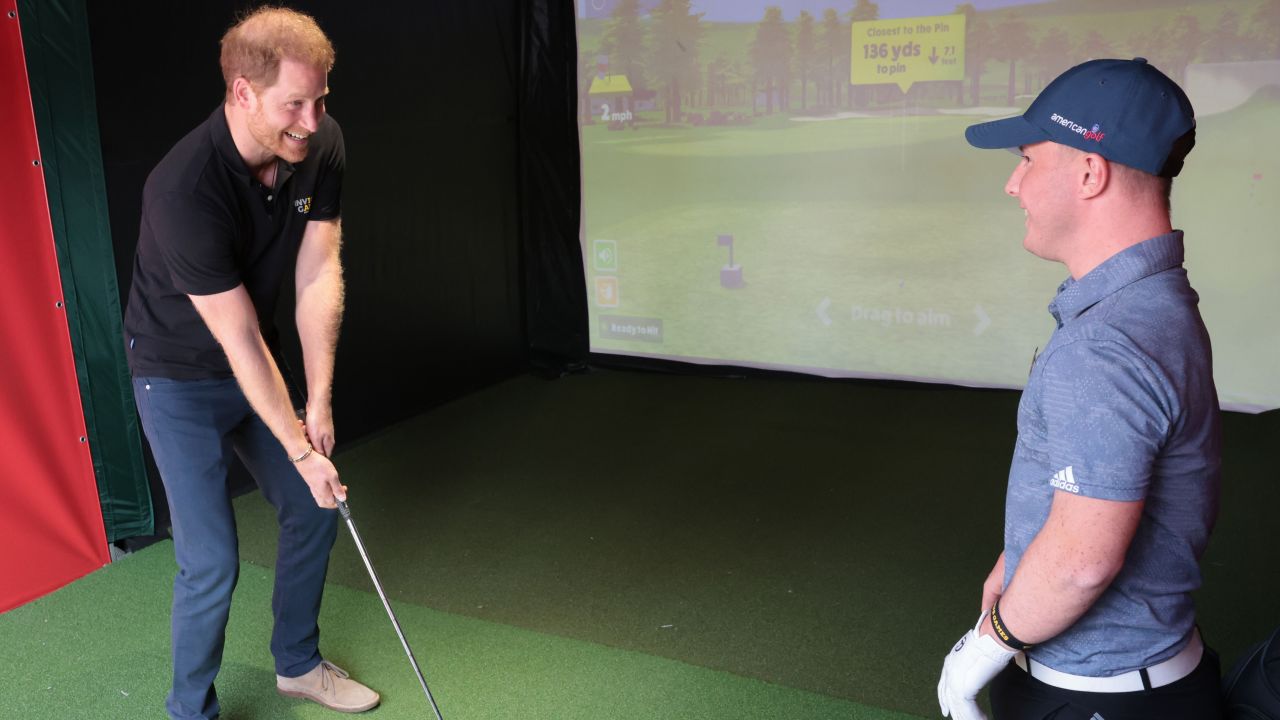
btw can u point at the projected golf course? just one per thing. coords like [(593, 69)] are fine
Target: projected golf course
[(862, 236)]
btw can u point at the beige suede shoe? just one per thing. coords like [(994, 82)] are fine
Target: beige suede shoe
[(330, 686)]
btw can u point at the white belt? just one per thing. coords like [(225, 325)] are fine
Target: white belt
[(1158, 675)]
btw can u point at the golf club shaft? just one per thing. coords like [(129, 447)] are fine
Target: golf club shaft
[(355, 535)]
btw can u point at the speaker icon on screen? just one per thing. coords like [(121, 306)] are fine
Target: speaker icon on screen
[(730, 275), (604, 255)]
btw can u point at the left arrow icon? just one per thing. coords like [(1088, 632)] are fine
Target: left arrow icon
[(822, 311)]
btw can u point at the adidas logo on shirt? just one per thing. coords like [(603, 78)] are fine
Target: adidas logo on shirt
[(1096, 716), (1064, 479)]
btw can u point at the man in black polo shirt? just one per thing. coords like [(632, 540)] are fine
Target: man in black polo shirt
[(250, 194)]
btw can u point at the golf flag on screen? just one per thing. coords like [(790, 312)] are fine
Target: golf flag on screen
[(726, 241)]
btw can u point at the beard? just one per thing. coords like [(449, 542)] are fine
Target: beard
[(274, 140)]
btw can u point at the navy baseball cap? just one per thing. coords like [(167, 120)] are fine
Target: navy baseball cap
[(1124, 110)]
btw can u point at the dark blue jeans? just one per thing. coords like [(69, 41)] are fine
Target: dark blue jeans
[(194, 426)]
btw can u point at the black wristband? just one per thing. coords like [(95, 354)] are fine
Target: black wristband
[(1002, 632)]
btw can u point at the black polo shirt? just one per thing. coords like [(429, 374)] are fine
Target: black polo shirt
[(207, 226)]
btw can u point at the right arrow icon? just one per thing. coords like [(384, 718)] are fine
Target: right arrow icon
[(983, 320)]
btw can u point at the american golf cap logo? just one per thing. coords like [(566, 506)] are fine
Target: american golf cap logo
[(1095, 133)]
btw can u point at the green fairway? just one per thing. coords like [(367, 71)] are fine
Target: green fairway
[(877, 244)]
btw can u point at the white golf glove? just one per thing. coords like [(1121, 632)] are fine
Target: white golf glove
[(973, 662)]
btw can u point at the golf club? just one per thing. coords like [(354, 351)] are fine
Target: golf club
[(355, 535)]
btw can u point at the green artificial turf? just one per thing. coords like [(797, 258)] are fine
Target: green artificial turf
[(831, 537), (616, 545), (99, 649)]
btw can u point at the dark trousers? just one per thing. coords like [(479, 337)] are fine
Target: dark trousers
[(193, 428), (1015, 695)]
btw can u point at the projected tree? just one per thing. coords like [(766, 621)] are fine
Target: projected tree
[(832, 41), (624, 43), (1051, 56), (1265, 26), (1185, 38), (1223, 42), (806, 54), (1012, 43), (587, 61), (676, 34), (977, 50), (1094, 46), (771, 57), (864, 10), (717, 90), (1171, 46)]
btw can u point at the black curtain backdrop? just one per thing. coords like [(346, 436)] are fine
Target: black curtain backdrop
[(551, 188), (460, 203), (447, 109)]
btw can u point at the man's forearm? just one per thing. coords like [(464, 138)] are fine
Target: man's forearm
[(319, 316), (231, 319), (319, 304), (264, 388), (1042, 601), (1068, 565)]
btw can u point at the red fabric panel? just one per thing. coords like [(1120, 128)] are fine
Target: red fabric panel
[(51, 529)]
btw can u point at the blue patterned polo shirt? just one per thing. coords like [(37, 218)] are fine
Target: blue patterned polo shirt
[(1121, 405)]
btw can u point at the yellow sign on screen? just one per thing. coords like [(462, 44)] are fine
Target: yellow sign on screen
[(908, 50)]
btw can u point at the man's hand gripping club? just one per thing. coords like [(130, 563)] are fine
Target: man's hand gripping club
[(318, 471), (973, 663)]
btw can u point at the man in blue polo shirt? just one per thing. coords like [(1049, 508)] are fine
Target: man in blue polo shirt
[(251, 194), (1113, 489)]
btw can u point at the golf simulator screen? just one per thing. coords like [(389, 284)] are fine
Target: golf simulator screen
[(785, 184)]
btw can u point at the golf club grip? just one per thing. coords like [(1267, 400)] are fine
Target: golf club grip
[(344, 509)]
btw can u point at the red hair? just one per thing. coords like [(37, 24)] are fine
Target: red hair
[(254, 47)]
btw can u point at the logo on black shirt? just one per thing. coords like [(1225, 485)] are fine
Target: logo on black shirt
[(302, 205)]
